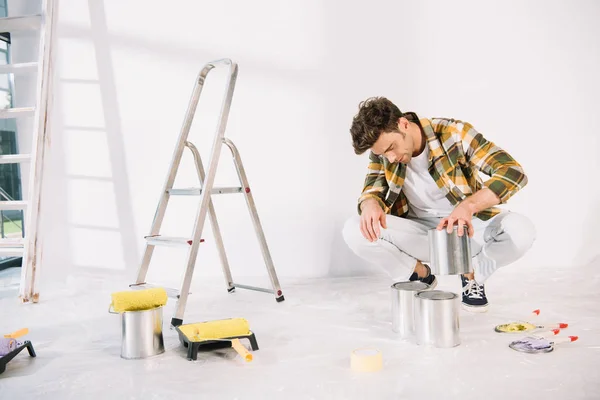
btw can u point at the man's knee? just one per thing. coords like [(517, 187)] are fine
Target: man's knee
[(352, 234), (521, 231)]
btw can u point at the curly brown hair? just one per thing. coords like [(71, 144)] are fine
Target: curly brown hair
[(375, 116)]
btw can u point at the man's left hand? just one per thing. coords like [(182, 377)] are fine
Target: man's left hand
[(461, 216)]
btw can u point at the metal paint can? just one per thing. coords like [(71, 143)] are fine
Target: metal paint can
[(449, 254), (403, 300), (141, 333), (436, 318)]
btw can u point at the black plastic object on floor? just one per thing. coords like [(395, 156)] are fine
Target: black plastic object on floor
[(6, 358), (207, 345)]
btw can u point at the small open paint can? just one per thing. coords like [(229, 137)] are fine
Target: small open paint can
[(403, 302)]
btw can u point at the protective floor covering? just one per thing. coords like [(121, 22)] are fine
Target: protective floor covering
[(305, 344)]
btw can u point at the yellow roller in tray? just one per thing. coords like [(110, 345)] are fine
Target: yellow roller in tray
[(219, 329), (229, 330)]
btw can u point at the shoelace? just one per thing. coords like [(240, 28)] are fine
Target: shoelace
[(473, 290)]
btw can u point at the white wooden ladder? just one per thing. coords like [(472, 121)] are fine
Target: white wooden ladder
[(29, 247)]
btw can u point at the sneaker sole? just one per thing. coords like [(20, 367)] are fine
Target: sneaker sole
[(433, 285), (474, 309)]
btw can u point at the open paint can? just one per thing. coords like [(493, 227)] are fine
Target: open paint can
[(436, 318), (403, 302)]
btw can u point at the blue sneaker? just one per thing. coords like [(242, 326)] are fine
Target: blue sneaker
[(429, 279), (473, 296)]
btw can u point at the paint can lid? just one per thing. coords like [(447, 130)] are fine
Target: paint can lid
[(436, 295), (532, 345), (410, 286)]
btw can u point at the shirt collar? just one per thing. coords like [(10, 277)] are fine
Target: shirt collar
[(435, 148)]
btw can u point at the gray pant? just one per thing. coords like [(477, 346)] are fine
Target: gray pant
[(500, 240)]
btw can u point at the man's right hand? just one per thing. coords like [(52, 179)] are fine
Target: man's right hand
[(371, 216)]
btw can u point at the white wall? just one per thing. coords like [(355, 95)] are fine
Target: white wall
[(524, 73)]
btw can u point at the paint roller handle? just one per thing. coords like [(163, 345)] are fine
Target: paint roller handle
[(548, 334), (560, 325), (17, 334), (242, 351), (564, 339)]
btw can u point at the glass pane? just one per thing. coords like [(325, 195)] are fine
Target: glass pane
[(4, 82), (3, 53), (4, 99), (12, 224), (10, 188)]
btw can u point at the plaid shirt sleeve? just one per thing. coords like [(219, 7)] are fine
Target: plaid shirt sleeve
[(375, 186), (506, 174)]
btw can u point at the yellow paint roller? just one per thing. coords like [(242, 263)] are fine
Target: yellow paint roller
[(138, 300), (220, 330), (9, 343)]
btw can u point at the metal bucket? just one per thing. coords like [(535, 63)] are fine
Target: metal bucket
[(403, 300), (141, 334), (436, 318), (449, 254)]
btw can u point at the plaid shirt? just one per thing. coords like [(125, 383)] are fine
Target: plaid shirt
[(457, 153)]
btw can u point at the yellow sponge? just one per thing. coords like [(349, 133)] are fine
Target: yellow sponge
[(219, 329), (138, 300)]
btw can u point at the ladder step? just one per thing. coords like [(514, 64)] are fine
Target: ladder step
[(21, 23), (172, 241), (171, 292), (14, 158), (11, 242), (19, 68), (13, 205), (258, 289), (17, 112), (196, 191), (11, 251)]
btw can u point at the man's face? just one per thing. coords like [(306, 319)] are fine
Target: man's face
[(394, 146)]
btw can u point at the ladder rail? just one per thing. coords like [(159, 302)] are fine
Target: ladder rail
[(239, 166), (213, 218), (175, 162), (207, 184), (32, 253)]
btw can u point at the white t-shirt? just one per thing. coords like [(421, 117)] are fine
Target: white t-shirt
[(424, 197)]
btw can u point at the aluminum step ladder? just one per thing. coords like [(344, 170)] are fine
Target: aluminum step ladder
[(205, 203), (29, 247)]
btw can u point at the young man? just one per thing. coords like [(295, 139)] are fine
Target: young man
[(424, 174)]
